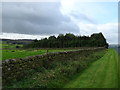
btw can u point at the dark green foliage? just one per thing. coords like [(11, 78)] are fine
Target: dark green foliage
[(70, 40), (98, 40), (52, 70), (35, 40), (17, 46)]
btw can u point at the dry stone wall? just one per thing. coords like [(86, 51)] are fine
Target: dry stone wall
[(16, 69)]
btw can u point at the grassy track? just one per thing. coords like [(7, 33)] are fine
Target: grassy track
[(101, 74)]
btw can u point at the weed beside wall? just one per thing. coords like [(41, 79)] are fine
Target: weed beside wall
[(62, 63)]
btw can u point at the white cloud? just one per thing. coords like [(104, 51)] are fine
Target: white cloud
[(52, 21), (20, 36), (109, 30), (67, 7)]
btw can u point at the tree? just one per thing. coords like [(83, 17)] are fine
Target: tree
[(35, 40), (70, 40)]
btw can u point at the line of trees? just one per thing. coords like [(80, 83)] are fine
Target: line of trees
[(70, 40)]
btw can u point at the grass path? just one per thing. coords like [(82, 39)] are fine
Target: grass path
[(101, 74)]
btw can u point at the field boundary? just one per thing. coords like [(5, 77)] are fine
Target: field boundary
[(15, 69)]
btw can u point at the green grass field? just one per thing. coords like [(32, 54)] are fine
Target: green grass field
[(103, 73), (9, 46), (9, 51), (13, 54)]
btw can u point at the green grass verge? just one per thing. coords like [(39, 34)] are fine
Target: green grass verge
[(103, 73), (60, 73)]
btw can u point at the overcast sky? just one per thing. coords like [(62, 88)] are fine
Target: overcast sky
[(30, 20)]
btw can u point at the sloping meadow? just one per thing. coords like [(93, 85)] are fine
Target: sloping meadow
[(51, 70)]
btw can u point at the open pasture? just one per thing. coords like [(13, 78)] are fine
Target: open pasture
[(13, 54)]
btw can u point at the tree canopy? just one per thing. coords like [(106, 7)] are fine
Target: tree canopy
[(70, 40)]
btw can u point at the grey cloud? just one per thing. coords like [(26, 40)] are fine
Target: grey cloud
[(36, 18), (81, 17)]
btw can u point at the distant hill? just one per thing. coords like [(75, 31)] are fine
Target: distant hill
[(17, 41)]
